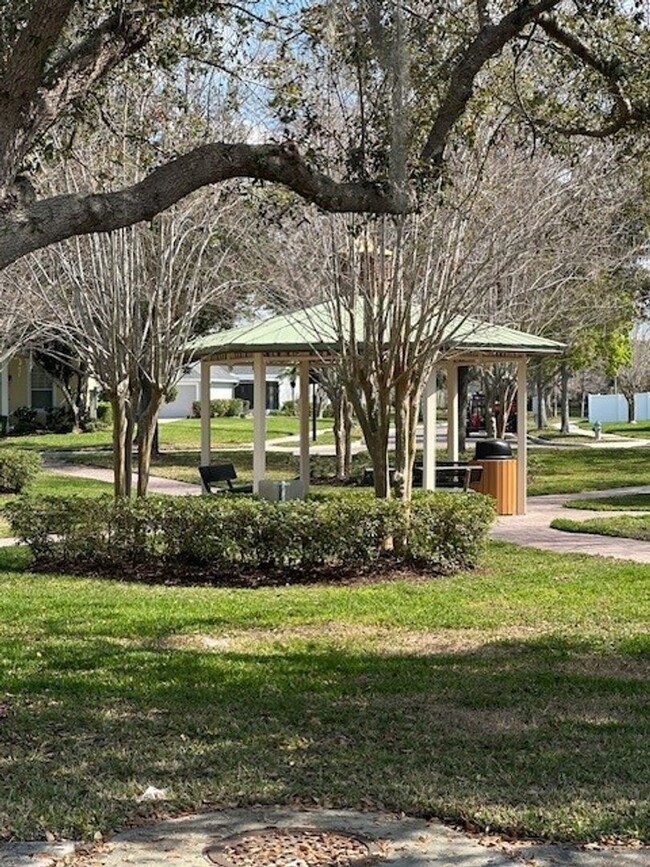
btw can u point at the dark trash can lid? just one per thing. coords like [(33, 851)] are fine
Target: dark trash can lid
[(492, 450)]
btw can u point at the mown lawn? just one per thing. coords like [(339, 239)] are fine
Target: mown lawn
[(514, 697), (571, 470), (639, 429), (184, 434), (640, 502), (627, 526)]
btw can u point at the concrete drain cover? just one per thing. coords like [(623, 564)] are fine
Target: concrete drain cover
[(292, 847)]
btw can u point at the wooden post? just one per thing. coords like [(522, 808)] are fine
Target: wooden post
[(452, 411), (522, 436)]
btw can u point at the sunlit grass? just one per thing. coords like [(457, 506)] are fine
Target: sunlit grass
[(513, 697)]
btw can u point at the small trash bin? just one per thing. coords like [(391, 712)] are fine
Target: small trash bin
[(4, 425), (499, 477), (278, 492)]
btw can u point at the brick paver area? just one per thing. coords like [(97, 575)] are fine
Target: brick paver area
[(534, 528)]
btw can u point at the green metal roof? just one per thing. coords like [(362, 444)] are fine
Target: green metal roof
[(313, 329)]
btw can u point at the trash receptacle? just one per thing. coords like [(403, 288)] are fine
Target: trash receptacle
[(4, 425), (499, 477), (279, 492)]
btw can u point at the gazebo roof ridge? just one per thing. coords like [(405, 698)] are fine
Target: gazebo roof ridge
[(313, 331)]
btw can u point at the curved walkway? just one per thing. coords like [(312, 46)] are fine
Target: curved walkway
[(534, 528)]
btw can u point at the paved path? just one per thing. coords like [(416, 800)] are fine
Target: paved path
[(534, 531), (401, 842), (157, 484)]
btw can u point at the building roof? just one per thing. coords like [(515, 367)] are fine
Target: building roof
[(312, 332)]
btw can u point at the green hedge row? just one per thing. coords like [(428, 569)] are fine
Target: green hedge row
[(441, 532), (222, 407)]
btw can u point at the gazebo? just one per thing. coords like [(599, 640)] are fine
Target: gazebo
[(309, 336)]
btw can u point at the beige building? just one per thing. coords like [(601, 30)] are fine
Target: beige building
[(24, 383)]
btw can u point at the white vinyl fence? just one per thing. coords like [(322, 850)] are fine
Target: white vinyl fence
[(613, 407)]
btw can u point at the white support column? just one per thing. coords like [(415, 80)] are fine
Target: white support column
[(206, 369), (452, 411), (304, 424), (522, 423), (430, 423), (259, 420)]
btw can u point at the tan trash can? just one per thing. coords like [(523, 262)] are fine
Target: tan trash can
[(499, 479)]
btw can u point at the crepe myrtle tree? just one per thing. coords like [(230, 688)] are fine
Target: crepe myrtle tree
[(129, 303), (412, 78), (504, 232)]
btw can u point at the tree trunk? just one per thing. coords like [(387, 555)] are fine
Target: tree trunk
[(564, 402), (347, 424), (339, 434), (147, 423), (121, 446)]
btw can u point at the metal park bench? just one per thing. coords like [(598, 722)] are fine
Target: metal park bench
[(219, 478)]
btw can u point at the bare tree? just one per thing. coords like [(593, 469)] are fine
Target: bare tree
[(129, 302), (502, 235)]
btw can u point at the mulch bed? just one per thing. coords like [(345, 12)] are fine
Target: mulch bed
[(205, 576)]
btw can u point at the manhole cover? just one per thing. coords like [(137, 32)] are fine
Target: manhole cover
[(291, 847)]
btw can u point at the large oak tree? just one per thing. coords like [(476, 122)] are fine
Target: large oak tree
[(574, 64)]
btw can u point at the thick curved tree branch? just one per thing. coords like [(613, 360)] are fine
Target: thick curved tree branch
[(50, 220), (623, 112), (490, 40)]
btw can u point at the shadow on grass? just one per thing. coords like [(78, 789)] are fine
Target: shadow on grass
[(544, 737)]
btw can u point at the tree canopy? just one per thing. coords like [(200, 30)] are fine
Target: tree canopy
[(361, 99)]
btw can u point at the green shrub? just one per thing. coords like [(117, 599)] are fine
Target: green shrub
[(289, 407), (59, 419), (447, 530), (222, 407), (17, 469), (25, 420), (222, 535), (105, 413)]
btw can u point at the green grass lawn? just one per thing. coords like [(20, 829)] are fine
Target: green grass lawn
[(627, 526), (571, 470), (637, 502), (514, 697), (184, 434)]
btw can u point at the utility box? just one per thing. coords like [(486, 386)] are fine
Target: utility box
[(499, 477), (279, 492)]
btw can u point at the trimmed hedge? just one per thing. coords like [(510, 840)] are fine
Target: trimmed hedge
[(224, 534), (222, 407), (18, 468)]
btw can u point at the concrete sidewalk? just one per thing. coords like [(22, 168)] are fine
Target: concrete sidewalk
[(398, 841), (157, 484)]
